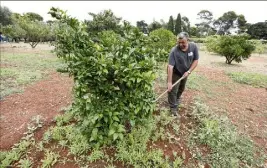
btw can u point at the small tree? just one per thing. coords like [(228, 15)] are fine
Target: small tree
[(165, 40), (113, 81), (13, 32), (233, 48), (33, 31)]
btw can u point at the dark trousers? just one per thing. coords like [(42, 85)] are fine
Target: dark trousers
[(176, 92)]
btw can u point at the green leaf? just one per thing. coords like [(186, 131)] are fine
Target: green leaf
[(98, 125), (106, 71), (121, 129), (115, 136), (94, 133), (106, 119), (116, 118), (131, 51), (121, 136), (116, 88), (111, 132)]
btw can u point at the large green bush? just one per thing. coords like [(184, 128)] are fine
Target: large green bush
[(113, 81), (233, 48), (165, 40)]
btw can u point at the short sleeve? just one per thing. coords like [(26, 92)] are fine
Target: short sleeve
[(171, 58), (196, 55)]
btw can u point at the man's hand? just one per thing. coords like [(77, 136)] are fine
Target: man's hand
[(169, 86), (186, 74)]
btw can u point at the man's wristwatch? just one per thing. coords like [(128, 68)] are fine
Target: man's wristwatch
[(189, 72)]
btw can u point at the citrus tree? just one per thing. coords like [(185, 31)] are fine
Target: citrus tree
[(113, 81)]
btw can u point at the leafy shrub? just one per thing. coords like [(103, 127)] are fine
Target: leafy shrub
[(164, 39), (259, 46), (109, 38), (113, 82), (133, 149), (233, 48), (198, 40), (212, 43)]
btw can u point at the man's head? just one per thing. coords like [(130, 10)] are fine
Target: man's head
[(182, 40)]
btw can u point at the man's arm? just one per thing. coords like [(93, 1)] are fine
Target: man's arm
[(195, 62), (193, 66), (170, 72)]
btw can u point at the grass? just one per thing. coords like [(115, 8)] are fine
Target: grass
[(227, 148), (21, 69), (199, 82), (253, 79), (19, 151)]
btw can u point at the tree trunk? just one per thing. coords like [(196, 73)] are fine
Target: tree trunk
[(33, 44), (228, 60)]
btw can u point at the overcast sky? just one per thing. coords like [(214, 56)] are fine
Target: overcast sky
[(254, 11)]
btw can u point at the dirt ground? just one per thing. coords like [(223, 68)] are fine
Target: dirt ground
[(45, 98), (246, 106)]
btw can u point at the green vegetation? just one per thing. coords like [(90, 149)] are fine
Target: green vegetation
[(233, 48), (225, 146), (253, 79), (19, 71)]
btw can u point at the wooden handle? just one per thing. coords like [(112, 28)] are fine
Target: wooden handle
[(167, 89)]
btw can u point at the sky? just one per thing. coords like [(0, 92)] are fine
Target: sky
[(254, 11)]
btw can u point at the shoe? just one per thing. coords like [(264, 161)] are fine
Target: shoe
[(174, 113)]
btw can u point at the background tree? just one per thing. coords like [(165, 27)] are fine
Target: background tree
[(230, 21), (178, 24), (143, 26), (205, 18), (35, 31), (103, 21), (194, 31), (34, 16), (163, 24), (258, 30), (171, 24), (242, 24), (5, 16), (154, 26), (13, 32), (185, 24)]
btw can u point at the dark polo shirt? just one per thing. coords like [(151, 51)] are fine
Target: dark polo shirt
[(182, 60)]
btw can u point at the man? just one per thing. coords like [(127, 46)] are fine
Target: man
[(183, 59)]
